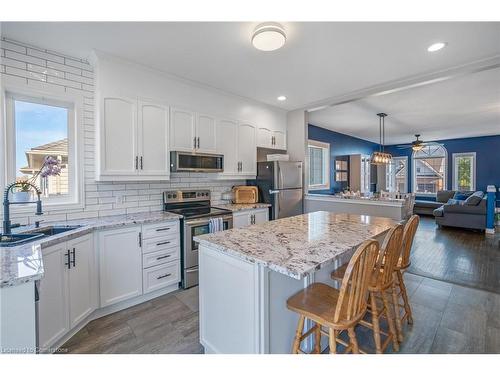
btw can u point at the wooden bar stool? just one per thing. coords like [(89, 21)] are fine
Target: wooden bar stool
[(336, 309), (383, 282), (403, 264)]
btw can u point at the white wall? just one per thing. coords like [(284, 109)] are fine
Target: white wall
[(131, 79), (21, 65)]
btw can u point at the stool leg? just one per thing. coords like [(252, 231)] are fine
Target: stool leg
[(317, 339), (354, 341), (298, 335), (376, 323), (405, 296), (397, 315), (332, 340), (390, 320)]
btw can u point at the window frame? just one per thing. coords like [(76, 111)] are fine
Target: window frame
[(389, 177), (326, 155), (74, 103), (456, 155), (414, 172)]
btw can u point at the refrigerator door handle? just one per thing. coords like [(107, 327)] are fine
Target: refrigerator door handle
[(274, 191)]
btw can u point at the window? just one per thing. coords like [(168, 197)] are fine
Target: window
[(397, 175), (39, 129), (319, 165), (429, 169), (464, 171)]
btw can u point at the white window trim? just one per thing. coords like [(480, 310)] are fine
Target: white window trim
[(395, 159), (455, 166), (75, 129), (414, 174), (326, 146)]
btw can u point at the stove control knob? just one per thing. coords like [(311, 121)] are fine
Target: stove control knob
[(174, 196), (169, 196)]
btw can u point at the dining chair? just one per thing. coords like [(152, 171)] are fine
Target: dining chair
[(336, 309)]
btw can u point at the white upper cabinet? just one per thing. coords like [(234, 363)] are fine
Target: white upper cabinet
[(247, 150), (182, 130), (206, 133), (264, 138), (279, 138), (227, 145), (118, 133), (133, 141), (192, 132), (271, 138), (153, 139)]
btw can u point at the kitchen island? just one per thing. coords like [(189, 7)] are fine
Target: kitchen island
[(247, 274)]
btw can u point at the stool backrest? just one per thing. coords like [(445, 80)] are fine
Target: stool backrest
[(353, 296), (408, 236), (389, 256)]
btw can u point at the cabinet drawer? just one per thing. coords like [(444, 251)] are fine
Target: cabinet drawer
[(161, 243), (159, 230), (160, 276), (160, 257)]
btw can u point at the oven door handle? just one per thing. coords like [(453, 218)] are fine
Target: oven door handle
[(205, 221)]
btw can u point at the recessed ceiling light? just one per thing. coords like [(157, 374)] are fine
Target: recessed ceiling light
[(269, 36), (436, 46), (281, 98)]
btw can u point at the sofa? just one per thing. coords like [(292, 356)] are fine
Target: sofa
[(424, 207), (469, 213)]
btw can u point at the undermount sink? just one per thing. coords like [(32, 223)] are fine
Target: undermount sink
[(18, 239), (32, 235), (53, 230)]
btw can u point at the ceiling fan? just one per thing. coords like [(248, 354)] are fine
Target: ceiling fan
[(418, 144)]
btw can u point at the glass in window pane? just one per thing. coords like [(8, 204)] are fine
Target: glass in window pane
[(316, 166), (430, 166), (464, 172), (41, 131)]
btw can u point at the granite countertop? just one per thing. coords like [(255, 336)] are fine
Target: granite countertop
[(361, 200), (298, 245), (23, 263), (242, 206)]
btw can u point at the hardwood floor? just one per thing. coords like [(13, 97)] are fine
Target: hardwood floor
[(449, 317), (456, 255)]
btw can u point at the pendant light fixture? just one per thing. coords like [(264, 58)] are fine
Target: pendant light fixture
[(381, 157)]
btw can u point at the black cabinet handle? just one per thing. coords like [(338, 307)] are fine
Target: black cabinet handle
[(141, 163), (136, 162), (194, 145), (163, 276), (74, 257), (162, 229), (163, 257), (140, 239), (198, 142), (68, 260), (162, 243)]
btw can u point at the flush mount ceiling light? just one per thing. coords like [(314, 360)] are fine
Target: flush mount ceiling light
[(269, 36), (281, 98), (436, 46)]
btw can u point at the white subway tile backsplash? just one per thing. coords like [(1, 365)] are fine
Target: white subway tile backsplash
[(25, 58), (45, 55), (73, 76)]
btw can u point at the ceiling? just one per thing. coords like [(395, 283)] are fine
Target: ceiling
[(319, 61), (466, 106)]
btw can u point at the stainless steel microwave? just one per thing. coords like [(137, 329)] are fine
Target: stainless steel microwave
[(196, 162)]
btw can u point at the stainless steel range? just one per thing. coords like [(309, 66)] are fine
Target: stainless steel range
[(194, 206)]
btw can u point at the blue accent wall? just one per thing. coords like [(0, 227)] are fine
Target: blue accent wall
[(487, 150), (340, 144)]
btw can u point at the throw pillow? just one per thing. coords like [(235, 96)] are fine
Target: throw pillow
[(461, 195), (474, 199)]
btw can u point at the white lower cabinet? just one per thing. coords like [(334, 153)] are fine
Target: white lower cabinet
[(120, 264), (248, 217), (67, 292)]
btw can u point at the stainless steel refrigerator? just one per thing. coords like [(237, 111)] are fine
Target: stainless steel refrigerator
[(280, 184)]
